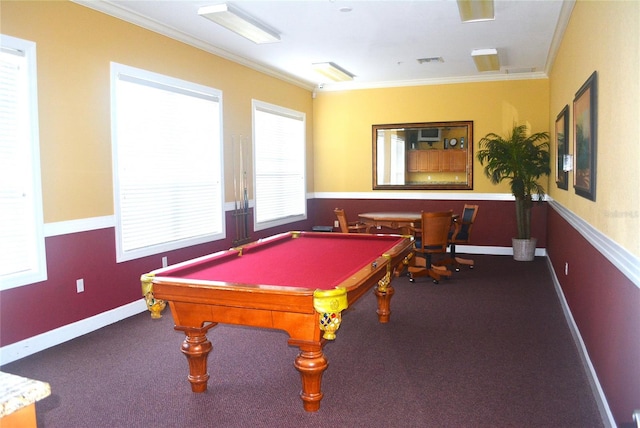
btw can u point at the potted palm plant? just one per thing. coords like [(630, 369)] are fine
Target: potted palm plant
[(521, 159)]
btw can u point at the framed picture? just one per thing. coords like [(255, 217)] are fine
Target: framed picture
[(585, 126), (562, 145)]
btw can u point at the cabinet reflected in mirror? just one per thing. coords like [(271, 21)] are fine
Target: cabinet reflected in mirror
[(430, 155)]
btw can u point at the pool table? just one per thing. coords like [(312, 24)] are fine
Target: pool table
[(298, 282)]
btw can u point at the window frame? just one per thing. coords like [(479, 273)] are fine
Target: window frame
[(183, 87), (285, 112), (38, 266)]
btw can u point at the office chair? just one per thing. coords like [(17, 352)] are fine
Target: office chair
[(460, 235), (431, 238)]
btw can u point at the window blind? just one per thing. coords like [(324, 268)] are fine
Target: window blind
[(279, 148), (22, 251), (168, 156)]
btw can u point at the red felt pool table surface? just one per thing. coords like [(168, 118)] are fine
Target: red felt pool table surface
[(308, 260), (271, 284)]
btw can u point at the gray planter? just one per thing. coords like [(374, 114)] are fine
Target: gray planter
[(524, 250)]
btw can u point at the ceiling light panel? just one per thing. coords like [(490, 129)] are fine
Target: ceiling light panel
[(476, 10), (486, 59), (240, 23), (332, 71)]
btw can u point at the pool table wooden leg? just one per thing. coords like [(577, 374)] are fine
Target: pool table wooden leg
[(196, 348), (384, 303), (311, 363)]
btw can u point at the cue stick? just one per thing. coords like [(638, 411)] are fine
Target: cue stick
[(244, 232), (246, 205), (235, 185)]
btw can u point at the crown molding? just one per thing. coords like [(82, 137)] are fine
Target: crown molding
[(563, 22), (492, 77), (116, 11)]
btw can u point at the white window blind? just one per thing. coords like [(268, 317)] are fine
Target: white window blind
[(22, 248), (279, 158), (167, 163)]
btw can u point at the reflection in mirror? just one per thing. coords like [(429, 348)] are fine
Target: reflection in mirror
[(430, 155)]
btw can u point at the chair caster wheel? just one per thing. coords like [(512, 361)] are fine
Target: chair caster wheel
[(457, 269), (411, 280), (471, 267), (435, 281)]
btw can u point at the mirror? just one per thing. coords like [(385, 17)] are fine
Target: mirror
[(430, 155)]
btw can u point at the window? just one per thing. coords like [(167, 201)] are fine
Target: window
[(167, 154), (392, 172), (279, 148), (22, 248)]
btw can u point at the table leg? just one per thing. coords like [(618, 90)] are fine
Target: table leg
[(311, 363), (384, 303), (196, 348)]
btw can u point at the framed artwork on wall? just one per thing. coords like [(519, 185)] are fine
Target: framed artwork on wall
[(562, 148), (585, 126)]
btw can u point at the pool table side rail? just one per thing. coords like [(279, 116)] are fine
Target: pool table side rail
[(226, 300), (259, 296), (207, 289)]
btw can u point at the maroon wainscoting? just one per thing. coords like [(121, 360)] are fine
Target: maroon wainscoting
[(495, 224), (37, 308), (604, 304)]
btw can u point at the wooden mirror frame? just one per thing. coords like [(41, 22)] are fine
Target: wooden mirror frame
[(429, 162)]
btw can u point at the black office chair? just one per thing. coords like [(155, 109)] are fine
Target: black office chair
[(461, 235)]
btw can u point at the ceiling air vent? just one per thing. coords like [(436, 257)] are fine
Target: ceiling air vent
[(432, 59)]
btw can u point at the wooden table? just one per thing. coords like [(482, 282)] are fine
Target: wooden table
[(393, 220), (402, 221), (298, 282)]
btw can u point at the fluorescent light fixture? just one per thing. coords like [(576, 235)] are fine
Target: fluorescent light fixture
[(486, 59), (332, 71), (240, 23), (476, 10)]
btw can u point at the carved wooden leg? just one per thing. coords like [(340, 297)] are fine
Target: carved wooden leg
[(311, 363), (196, 348), (384, 303)]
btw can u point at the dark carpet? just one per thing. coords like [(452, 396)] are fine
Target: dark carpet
[(489, 347)]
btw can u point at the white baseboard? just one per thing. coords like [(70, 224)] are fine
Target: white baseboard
[(38, 343), (601, 399), (493, 251)]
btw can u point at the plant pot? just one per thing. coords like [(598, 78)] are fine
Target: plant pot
[(524, 250)]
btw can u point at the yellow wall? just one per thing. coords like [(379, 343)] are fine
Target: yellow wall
[(342, 127), (615, 55), (75, 46)]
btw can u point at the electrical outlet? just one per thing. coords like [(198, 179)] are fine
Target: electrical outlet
[(80, 285), (336, 223), (165, 263)]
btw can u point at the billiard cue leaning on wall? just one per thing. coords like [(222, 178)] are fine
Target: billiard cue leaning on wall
[(235, 188), (241, 200)]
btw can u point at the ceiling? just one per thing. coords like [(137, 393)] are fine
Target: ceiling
[(379, 42)]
